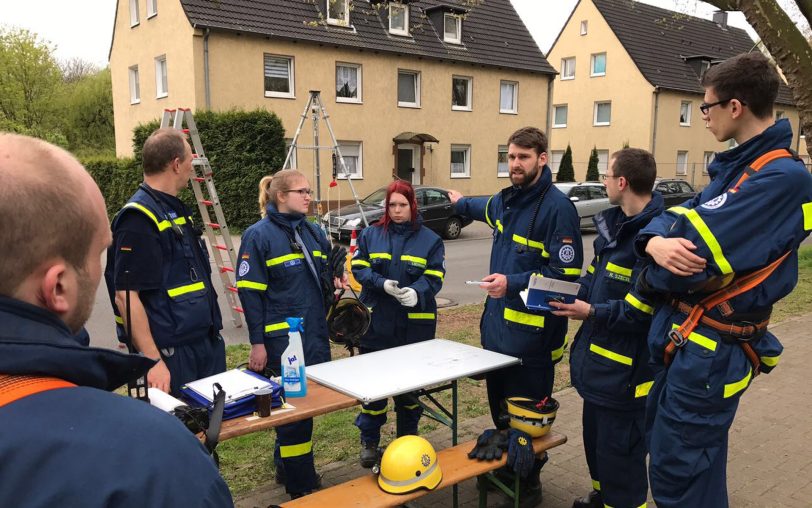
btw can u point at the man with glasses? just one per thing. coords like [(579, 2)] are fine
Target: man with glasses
[(159, 258), (609, 356), (752, 216)]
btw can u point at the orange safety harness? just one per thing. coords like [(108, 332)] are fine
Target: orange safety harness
[(13, 387), (679, 336)]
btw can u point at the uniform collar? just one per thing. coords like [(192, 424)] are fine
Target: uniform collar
[(531, 193), (288, 221), (612, 223), (731, 162)]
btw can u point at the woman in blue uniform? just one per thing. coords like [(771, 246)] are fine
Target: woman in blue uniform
[(399, 264), (282, 262)]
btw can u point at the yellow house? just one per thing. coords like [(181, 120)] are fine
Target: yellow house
[(423, 90), (630, 75)]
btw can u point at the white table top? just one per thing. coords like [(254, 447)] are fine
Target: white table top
[(382, 374)]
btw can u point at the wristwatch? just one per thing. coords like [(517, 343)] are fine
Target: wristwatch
[(591, 314)]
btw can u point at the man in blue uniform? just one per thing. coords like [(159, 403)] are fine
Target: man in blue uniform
[(158, 256), (535, 230), (757, 208), (67, 441), (609, 356)]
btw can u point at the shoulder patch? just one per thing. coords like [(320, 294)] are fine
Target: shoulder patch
[(716, 202), (566, 254), (244, 267)]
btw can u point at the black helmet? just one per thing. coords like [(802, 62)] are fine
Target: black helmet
[(347, 321)]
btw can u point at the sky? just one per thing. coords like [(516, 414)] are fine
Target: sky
[(86, 32)]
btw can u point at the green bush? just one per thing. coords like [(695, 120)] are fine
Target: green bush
[(117, 179), (592, 174), (566, 173)]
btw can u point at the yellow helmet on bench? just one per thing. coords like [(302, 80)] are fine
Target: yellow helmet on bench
[(409, 463), (533, 416)]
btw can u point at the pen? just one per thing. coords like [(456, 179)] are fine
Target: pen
[(475, 282)]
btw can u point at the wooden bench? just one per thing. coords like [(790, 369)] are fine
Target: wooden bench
[(454, 463)]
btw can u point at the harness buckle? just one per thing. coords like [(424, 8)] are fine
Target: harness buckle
[(676, 337)]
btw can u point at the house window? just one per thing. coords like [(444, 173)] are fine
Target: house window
[(278, 76), (152, 8), (682, 162), (706, 161), (461, 93), (555, 160), (452, 31), (338, 12), (685, 113), (568, 68), (598, 64), (351, 152), (135, 86), (502, 169), (408, 89), (348, 82), (584, 26), (398, 19), (460, 161), (134, 18), (560, 115), (603, 161), (779, 115), (603, 113), (508, 97), (292, 162), (161, 80)]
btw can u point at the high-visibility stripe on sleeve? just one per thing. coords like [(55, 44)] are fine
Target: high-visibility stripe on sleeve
[(435, 273), (247, 284), (276, 326), (807, 209), (637, 304), (119, 320), (571, 271), (373, 412), (769, 361), (421, 315), (590, 269), (558, 353), (734, 388), (413, 259), (318, 254), (707, 236), (297, 450), (360, 262), (642, 389), (281, 259), (619, 270), (189, 288), (487, 218), (499, 226), (596, 485), (625, 360), (380, 255), (523, 318)]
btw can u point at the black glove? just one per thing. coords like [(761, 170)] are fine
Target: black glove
[(520, 452), (336, 260), (642, 287), (490, 445)]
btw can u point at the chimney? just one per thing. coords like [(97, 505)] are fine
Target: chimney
[(720, 18)]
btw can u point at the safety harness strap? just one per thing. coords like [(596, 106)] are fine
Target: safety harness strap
[(14, 388)]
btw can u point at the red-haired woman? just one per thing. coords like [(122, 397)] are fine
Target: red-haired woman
[(399, 264)]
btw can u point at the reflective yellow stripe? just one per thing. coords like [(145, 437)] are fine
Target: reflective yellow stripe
[(524, 318), (318, 254), (571, 271), (488, 219), (807, 209), (769, 361), (734, 388), (412, 407), (119, 320), (247, 284), (360, 262), (374, 412), (699, 339), (281, 259), (421, 315), (380, 255), (705, 232), (189, 288), (637, 304), (276, 326), (295, 450), (530, 243), (558, 353), (162, 225), (590, 269), (625, 360), (619, 270), (414, 259), (499, 225), (596, 485), (436, 273), (642, 389)]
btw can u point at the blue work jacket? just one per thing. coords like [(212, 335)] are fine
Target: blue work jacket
[(609, 356), (551, 247), (413, 256), (275, 282)]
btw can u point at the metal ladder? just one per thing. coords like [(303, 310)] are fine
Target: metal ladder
[(216, 232)]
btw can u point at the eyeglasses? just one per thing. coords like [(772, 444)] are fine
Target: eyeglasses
[(302, 192), (705, 107), (604, 177)]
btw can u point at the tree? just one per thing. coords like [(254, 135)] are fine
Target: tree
[(566, 173), (86, 114), (76, 69), (592, 174)]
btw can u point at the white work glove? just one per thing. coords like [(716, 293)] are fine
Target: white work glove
[(391, 288), (408, 298)]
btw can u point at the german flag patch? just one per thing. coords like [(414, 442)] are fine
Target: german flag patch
[(566, 239), (126, 249)]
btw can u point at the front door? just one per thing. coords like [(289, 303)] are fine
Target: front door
[(408, 163)]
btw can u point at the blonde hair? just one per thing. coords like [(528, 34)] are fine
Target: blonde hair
[(270, 185)]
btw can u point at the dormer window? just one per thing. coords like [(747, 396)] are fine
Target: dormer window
[(338, 12), (452, 31), (398, 19)]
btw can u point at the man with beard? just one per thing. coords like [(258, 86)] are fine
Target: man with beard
[(67, 441), (535, 230)]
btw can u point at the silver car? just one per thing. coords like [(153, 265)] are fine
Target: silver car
[(589, 198)]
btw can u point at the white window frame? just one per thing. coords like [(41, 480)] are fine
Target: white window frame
[(502, 149), (566, 114), (707, 158), (152, 8), (405, 9), (416, 103), (466, 165), (161, 72), (603, 161), (584, 27), (592, 61), (681, 167), (595, 121), (291, 77), (469, 92), (565, 67), (514, 110), (135, 18), (344, 21), (358, 99), (351, 149), (686, 107), (135, 85), (556, 156), (779, 114), (456, 39)]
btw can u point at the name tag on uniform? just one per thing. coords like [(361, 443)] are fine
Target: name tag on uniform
[(292, 262)]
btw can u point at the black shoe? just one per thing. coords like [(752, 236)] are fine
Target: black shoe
[(369, 453), (299, 494), (591, 500)]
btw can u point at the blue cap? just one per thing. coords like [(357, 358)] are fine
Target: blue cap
[(295, 324)]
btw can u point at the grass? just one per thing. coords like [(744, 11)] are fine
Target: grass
[(246, 462)]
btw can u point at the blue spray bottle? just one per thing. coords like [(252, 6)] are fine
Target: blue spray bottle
[(294, 380)]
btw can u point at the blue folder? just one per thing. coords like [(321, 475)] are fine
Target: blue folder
[(237, 407)]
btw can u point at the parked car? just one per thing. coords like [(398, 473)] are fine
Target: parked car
[(589, 198), (675, 192), (432, 203)]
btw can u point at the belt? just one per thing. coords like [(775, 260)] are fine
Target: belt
[(732, 331)]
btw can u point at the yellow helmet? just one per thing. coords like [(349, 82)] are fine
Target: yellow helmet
[(409, 463), (532, 416)]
